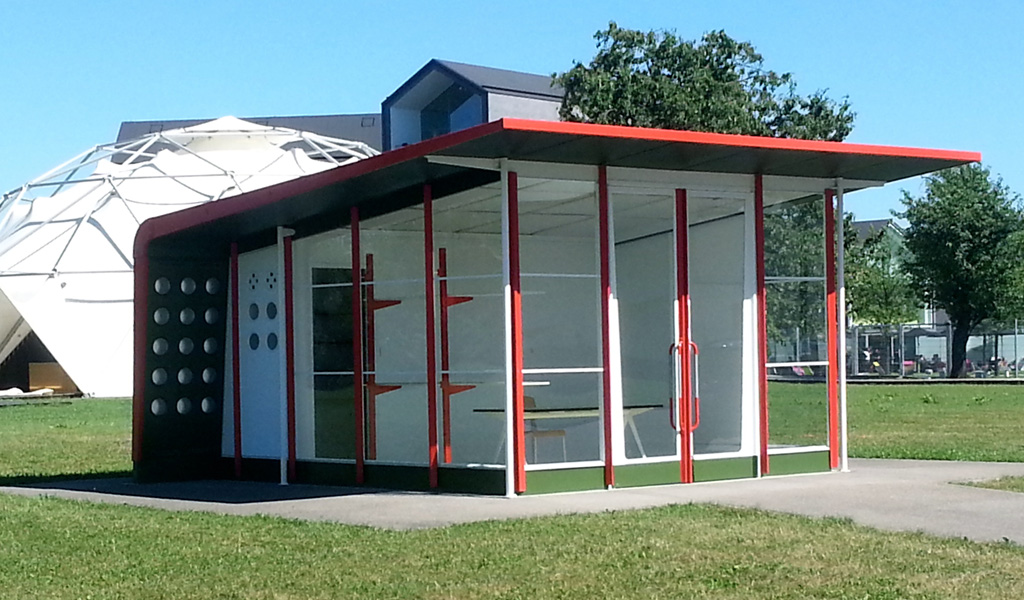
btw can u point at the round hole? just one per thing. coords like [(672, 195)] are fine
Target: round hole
[(210, 346), (184, 406), (271, 311), (185, 346), (187, 315), (212, 286), (209, 375), (211, 316), (159, 376), (208, 405), (254, 341), (162, 286), (160, 346), (158, 407), (185, 376), (188, 285), (254, 311), (272, 341), (161, 316)]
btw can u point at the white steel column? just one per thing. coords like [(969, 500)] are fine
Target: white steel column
[(841, 279), (510, 487), (282, 233)]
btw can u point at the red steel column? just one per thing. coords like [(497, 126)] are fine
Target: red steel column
[(236, 364), (832, 329), (428, 256), (289, 348), (357, 341), (518, 407), (606, 293), (683, 300), (762, 320)]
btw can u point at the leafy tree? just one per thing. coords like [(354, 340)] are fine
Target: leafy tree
[(794, 246), (1011, 296), (959, 240), (877, 286), (716, 84)]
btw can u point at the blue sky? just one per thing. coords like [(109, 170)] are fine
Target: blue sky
[(931, 74)]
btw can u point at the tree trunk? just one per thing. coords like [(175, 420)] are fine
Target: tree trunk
[(956, 363)]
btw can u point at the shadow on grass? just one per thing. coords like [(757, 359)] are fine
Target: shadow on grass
[(120, 483)]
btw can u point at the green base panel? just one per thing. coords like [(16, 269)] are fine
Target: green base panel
[(668, 472), (626, 476), (803, 462), (721, 469), (564, 480), (398, 477), (660, 473)]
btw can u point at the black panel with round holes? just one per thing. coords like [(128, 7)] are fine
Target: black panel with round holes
[(184, 367)]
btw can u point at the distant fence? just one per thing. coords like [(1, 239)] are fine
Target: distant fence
[(923, 350)]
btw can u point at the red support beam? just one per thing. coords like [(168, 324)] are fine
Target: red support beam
[(236, 364), (762, 320), (289, 342), (448, 389), (834, 363), (428, 257), (373, 389), (518, 401), (683, 344), (357, 342), (604, 245)]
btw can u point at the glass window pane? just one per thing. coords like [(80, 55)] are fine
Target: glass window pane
[(332, 320), (794, 239), (798, 408), (471, 355), (334, 416), (561, 317), (797, 321)]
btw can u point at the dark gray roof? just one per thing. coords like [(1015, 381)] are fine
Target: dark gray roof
[(504, 81), (867, 228), (364, 127)]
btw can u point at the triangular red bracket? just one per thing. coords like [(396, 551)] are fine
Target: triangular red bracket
[(451, 301), (373, 304), (373, 389)]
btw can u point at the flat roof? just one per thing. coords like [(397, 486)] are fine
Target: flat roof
[(392, 180)]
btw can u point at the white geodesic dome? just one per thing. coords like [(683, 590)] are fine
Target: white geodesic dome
[(66, 237)]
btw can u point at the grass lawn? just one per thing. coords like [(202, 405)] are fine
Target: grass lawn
[(934, 421), (52, 548), (83, 438), (63, 549)]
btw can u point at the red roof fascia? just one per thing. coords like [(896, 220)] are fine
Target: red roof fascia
[(212, 211), (191, 217), (734, 140)]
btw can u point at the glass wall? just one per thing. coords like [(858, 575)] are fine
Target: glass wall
[(797, 324), (561, 320), (470, 327), (333, 384), (645, 277), (716, 251)]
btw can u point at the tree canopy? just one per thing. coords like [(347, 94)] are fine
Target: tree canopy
[(878, 288), (716, 84), (960, 243)]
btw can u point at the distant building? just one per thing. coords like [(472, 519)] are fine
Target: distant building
[(445, 96), (440, 98)]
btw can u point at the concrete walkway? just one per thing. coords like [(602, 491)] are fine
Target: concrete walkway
[(899, 495)]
